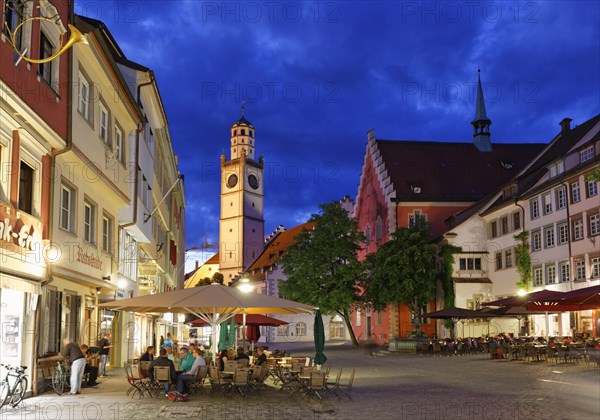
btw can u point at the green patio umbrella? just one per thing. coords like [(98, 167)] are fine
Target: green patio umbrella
[(319, 339), (231, 339), (223, 336)]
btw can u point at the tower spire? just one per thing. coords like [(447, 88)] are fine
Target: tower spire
[(481, 123)]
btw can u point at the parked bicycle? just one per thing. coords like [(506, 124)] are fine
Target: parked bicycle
[(61, 377), (13, 394)]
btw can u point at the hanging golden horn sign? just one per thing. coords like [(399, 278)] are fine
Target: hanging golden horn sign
[(75, 38)]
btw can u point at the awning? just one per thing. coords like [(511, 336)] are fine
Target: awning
[(22, 285)]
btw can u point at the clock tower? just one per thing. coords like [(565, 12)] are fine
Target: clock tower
[(241, 225)]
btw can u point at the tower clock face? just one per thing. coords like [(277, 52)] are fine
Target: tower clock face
[(253, 181), (232, 181)]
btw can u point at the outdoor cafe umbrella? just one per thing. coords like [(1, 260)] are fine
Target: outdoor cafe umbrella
[(581, 299), (251, 319), (545, 301), (253, 334), (319, 330), (223, 336), (457, 314), (231, 338), (213, 303)]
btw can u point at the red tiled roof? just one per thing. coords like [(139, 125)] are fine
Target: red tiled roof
[(213, 260), (277, 247), (452, 171)]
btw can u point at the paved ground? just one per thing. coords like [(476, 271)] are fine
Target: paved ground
[(395, 386)]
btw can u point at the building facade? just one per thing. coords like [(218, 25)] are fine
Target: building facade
[(404, 180)]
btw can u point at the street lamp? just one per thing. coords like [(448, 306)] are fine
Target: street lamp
[(245, 285), (521, 292)]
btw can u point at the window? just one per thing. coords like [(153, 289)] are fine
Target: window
[(565, 272), (415, 217), (128, 251), (536, 240), (498, 260), (378, 318), (282, 330), (577, 229), (595, 267), (594, 224), (107, 233), (46, 50), (52, 314), (378, 229), (367, 235), (84, 98), (470, 264), (89, 222), (538, 279), (575, 192), (557, 169), (119, 146), (516, 220), (67, 208), (358, 318), (592, 188), (13, 16), (504, 224), (550, 274), (508, 258), (300, 329), (549, 237), (535, 208), (563, 233), (547, 200), (579, 269), (494, 229), (586, 154), (26, 188), (561, 198), (104, 124)]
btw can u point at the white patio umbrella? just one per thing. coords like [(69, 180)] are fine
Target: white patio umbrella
[(213, 303)]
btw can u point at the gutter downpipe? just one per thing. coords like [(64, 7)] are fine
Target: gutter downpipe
[(141, 128)]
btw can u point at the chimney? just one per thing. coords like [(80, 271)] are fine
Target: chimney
[(565, 125), (197, 264)]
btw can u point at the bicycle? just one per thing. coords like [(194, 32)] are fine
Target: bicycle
[(61, 377), (16, 392)]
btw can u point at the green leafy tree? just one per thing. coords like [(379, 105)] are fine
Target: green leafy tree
[(322, 265), (403, 271), (523, 260), (203, 282), (218, 278)]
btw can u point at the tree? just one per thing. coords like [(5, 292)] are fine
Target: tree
[(322, 265), (203, 282), (523, 260), (218, 278), (403, 271)]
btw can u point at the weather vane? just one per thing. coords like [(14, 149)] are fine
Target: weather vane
[(75, 38)]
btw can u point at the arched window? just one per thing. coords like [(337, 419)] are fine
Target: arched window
[(251, 133), (378, 229), (367, 235), (243, 132), (300, 329)]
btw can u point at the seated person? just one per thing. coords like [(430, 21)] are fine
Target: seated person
[(240, 354), (163, 360), (186, 360), (222, 359), (149, 355), (261, 357), (92, 371), (184, 377), (172, 356)]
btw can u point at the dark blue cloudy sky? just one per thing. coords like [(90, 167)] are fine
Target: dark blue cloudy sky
[(318, 75)]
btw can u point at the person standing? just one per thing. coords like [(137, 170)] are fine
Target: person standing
[(73, 353), (169, 342), (105, 347)]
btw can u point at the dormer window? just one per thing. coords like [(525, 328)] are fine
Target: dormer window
[(586, 154), (557, 168), (510, 191)]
